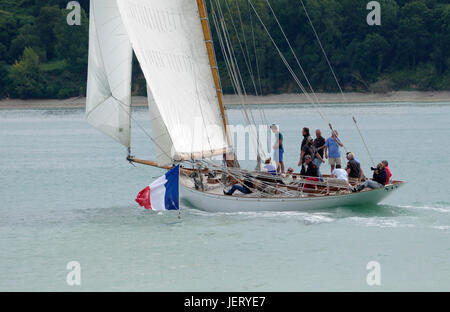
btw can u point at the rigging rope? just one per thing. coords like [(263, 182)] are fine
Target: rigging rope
[(227, 36), (233, 67), (286, 63), (335, 78), (239, 174), (316, 103), (255, 51)]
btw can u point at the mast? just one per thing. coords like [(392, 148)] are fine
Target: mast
[(212, 62)]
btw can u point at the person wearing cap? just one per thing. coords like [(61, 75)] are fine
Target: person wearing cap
[(268, 167), (378, 180), (331, 150), (309, 149), (389, 174), (308, 168), (278, 149), (289, 175)]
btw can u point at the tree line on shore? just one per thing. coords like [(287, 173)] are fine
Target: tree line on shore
[(41, 56)]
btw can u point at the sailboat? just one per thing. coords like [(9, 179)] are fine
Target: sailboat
[(172, 42)]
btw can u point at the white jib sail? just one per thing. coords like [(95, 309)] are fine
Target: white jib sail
[(160, 135), (168, 40), (109, 72)]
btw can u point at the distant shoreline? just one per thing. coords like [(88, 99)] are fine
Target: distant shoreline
[(276, 99)]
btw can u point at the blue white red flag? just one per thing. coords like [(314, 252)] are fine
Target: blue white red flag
[(163, 193)]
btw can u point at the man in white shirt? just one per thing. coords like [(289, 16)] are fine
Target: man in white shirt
[(340, 174), (339, 178)]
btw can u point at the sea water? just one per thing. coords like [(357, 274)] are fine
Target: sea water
[(67, 196)]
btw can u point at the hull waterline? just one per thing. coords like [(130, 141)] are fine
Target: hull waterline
[(220, 203)]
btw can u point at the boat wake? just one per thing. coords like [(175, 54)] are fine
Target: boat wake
[(382, 216), (308, 217), (378, 216)]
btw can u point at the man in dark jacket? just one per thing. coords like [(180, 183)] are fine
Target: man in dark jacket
[(319, 142), (308, 168), (353, 168), (310, 149), (378, 180), (305, 134)]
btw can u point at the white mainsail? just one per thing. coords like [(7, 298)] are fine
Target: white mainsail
[(160, 135), (168, 40), (109, 72)]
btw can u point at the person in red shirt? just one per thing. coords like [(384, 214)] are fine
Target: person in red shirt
[(389, 174)]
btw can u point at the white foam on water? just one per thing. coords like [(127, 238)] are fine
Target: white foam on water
[(317, 219), (380, 222), (441, 227), (443, 208), (308, 218)]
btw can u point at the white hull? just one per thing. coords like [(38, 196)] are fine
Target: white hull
[(220, 203)]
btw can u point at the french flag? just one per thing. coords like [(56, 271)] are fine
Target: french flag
[(163, 193)]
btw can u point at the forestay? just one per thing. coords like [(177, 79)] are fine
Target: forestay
[(168, 40), (109, 72)]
